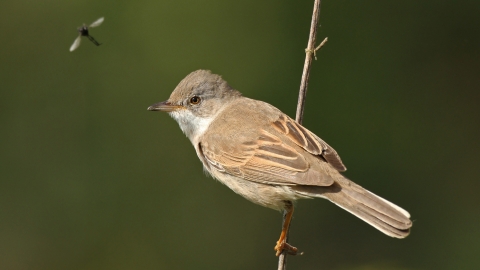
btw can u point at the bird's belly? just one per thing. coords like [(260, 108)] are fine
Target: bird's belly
[(271, 196)]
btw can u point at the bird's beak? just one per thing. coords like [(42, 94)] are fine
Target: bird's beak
[(164, 106)]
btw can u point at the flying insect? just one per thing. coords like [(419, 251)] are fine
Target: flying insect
[(83, 31)]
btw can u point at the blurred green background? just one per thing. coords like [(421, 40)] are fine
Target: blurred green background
[(89, 179)]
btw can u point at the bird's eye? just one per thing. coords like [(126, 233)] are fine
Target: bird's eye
[(195, 100)]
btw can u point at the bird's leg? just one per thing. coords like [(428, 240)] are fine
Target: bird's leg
[(282, 241)]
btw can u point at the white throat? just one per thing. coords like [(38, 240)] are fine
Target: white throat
[(193, 126)]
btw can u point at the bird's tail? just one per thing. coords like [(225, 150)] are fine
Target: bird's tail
[(376, 211)]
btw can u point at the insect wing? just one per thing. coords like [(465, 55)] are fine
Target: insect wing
[(76, 43), (97, 22)]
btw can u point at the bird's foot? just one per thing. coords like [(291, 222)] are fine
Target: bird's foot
[(283, 245)]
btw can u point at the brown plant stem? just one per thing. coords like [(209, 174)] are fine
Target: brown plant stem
[(309, 52)]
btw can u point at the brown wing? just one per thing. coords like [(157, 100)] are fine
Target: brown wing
[(308, 141), (266, 160)]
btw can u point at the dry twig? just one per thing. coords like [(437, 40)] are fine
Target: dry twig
[(309, 52), (308, 61)]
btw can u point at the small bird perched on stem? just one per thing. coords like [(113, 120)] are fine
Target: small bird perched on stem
[(268, 158)]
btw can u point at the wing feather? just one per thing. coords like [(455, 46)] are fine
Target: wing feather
[(308, 141), (268, 161), (269, 148)]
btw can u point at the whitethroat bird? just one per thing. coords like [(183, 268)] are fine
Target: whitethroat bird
[(265, 156)]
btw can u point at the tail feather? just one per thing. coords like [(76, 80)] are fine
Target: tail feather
[(381, 225), (378, 208), (401, 210), (376, 211)]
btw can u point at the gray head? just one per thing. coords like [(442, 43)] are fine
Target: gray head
[(196, 100)]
